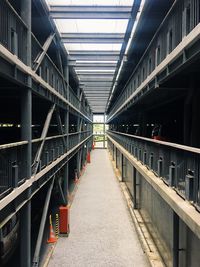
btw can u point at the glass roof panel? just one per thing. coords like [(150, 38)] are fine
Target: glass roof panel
[(91, 26), (110, 70), (91, 2), (94, 47), (95, 61)]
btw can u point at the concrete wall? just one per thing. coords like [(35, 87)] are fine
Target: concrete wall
[(158, 217)]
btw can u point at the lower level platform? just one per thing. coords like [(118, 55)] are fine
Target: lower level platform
[(101, 230)]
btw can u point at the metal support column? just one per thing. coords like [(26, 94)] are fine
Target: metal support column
[(175, 240), (66, 75), (134, 188), (66, 130), (66, 170), (104, 132), (116, 157), (122, 165), (26, 122), (25, 235)]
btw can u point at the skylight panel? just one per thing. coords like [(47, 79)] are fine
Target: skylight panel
[(92, 70), (91, 2), (91, 26), (93, 47)]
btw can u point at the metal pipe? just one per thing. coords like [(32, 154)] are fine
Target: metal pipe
[(64, 202), (66, 181)]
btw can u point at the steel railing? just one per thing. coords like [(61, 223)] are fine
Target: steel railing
[(13, 162), (177, 165), (13, 31)]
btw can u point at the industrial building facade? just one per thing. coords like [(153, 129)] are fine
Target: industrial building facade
[(151, 104)]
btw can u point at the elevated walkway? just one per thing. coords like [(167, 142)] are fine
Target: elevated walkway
[(102, 232)]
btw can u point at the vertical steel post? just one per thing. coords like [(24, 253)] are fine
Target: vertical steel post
[(66, 170), (116, 157), (66, 76), (134, 188), (26, 121), (104, 131), (122, 165), (66, 130), (175, 240)]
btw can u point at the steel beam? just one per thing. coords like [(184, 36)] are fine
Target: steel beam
[(25, 235), (60, 128), (41, 55), (36, 257), (94, 55), (43, 137), (92, 38), (90, 12), (26, 134)]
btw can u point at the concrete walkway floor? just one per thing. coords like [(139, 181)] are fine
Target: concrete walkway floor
[(102, 232)]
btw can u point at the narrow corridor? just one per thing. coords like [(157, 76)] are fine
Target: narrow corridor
[(102, 232)]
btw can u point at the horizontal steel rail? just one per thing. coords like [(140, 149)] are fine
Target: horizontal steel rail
[(171, 47), (12, 165), (177, 165)]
